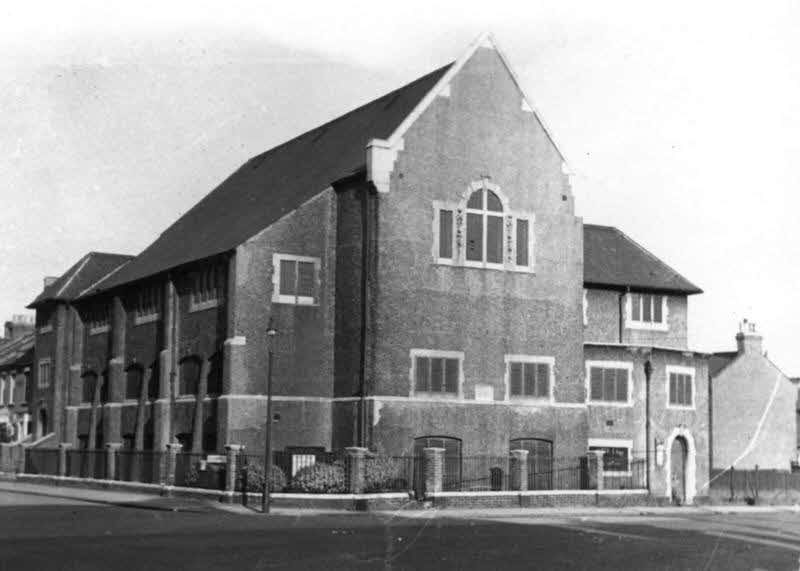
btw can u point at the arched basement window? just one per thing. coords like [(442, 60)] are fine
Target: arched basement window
[(190, 376), (133, 382), (540, 461)]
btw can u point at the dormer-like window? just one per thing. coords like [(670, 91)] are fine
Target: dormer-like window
[(483, 232), (148, 304), (208, 286), (98, 318)]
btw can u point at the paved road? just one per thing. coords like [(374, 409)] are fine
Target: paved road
[(51, 529)]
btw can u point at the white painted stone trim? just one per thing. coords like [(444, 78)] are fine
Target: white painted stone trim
[(203, 305), (236, 340), (459, 355), (399, 399), (646, 325), (547, 360), (628, 365), (691, 463), (680, 370), (381, 154), (277, 297), (585, 306), (614, 443)]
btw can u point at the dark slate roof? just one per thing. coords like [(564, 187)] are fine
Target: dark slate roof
[(18, 352), (85, 272), (612, 259), (274, 183), (719, 361)]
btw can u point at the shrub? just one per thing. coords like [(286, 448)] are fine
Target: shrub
[(383, 474), (192, 476), (254, 475), (320, 479)]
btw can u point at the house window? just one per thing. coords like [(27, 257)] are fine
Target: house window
[(98, 318), (436, 372), (133, 383), (88, 387), (482, 232), (45, 371), (148, 304), (609, 382), (529, 377), (21, 385), (616, 457), (295, 279), (451, 471), (207, 287), (680, 387), (189, 376), (647, 311)]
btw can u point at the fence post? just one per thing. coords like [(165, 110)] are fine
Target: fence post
[(594, 468), (172, 453), (111, 459), (355, 469), (731, 484), (232, 452), (519, 470), (433, 469), (62, 458), (756, 477)]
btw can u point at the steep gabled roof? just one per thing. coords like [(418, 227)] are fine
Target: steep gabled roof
[(612, 259), (274, 183), (86, 271)]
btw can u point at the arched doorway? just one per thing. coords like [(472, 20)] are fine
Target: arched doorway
[(680, 467), (677, 476), (41, 429)]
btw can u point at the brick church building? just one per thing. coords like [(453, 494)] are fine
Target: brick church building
[(430, 284)]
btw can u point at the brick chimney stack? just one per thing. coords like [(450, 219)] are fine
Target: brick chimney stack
[(748, 340)]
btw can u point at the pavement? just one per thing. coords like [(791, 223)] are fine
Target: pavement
[(43, 528)]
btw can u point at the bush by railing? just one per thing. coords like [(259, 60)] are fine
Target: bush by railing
[(251, 475)]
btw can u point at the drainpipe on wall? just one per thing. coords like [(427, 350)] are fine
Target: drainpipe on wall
[(622, 314), (366, 257), (648, 371)]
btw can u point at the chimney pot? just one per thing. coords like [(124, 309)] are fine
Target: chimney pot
[(748, 339)]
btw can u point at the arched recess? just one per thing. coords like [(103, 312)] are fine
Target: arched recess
[(690, 466), (133, 382), (88, 384), (189, 375)]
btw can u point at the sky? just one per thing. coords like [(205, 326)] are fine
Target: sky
[(680, 123)]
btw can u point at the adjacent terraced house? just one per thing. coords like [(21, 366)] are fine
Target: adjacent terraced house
[(431, 285)]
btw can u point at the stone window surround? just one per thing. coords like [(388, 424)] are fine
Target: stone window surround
[(647, 325), (459, 355), (542, 359), (458, 237), (277, 297), (614, 443), (628, 365), (48, 362), (680, 370)]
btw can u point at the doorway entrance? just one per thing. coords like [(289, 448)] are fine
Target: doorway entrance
[(678, 464)]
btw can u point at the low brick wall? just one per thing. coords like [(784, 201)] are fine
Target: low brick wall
[(542, 499)]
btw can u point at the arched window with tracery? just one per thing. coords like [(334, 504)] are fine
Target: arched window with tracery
[(482, 231)]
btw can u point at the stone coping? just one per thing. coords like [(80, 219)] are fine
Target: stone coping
[(513, 493)]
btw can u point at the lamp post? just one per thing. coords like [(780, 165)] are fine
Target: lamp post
[(265, 496)]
